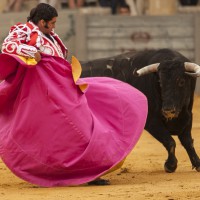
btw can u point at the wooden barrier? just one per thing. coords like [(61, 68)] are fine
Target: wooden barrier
[(111, 35)]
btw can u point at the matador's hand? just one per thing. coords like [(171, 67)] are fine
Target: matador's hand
[(37, 56)]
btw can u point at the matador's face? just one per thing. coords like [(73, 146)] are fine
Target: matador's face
[(47, 27)]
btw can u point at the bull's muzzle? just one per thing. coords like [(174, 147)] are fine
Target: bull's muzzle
[(169, 114)]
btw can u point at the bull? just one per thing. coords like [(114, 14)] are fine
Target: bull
[(168, 80)]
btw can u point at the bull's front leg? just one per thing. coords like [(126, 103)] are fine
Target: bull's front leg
[(171, 162), (158, 131), (187, 141)]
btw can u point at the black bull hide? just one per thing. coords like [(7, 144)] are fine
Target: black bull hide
[(169, 89)]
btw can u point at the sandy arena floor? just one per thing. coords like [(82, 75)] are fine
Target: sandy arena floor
[(141, 178)]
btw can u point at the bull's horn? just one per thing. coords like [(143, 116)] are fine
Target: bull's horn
[(193, 67), (147, 69)]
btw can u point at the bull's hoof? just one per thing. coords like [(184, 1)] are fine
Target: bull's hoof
[(170, 168), (197, 168), (196, 164), (99, 181)]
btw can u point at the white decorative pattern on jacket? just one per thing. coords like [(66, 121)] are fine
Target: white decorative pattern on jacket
[(27, 39)]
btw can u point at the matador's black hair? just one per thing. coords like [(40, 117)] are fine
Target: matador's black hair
[(42, 11)]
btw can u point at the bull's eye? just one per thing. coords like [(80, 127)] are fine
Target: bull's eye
[(181, 82)]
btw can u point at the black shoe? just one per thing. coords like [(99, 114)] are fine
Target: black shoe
[(99, 181)]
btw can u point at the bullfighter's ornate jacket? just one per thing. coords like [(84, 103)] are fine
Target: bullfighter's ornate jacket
[(26, 39)]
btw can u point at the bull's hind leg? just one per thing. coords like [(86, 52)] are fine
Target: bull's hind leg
[(187, 142)]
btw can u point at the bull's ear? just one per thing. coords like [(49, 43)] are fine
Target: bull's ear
[(135, 72)]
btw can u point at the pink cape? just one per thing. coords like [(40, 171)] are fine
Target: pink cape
[(53, 134)]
